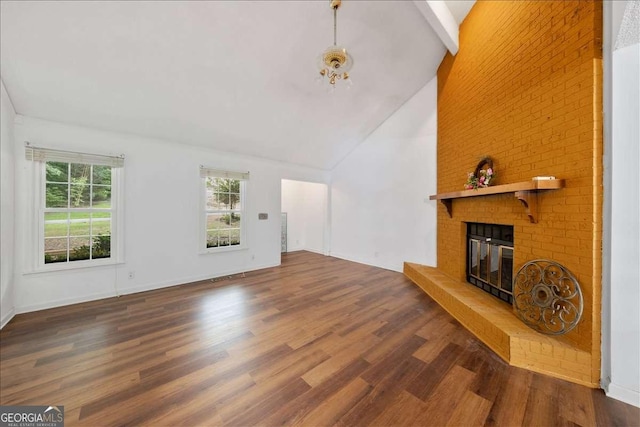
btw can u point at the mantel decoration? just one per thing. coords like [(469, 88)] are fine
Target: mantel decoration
[(547, 297), (335, 62), (481, 178)]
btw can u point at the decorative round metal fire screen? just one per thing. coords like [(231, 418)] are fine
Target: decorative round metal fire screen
[(547, 297)]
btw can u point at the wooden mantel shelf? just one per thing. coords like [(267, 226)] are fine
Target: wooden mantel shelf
[(526, 192)]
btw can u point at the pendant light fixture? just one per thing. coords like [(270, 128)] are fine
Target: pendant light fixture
[(334, 63)]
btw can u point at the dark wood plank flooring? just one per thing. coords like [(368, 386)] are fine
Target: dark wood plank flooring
[(318, 341)]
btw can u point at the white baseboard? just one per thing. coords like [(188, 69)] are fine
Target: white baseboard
[(315, 251), (365, 261), (65, 301), (133, 290), (623, 394), (7, 317), (182, 281)]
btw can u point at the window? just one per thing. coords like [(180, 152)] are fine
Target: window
[(76, 207), (223, 213)]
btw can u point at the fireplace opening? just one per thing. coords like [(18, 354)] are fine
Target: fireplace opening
[(490, 259)]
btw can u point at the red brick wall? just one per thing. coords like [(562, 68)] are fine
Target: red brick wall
[(526, 89)]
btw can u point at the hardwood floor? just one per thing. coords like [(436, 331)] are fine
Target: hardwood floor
[(317, 341)]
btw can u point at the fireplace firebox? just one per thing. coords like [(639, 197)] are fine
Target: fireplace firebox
[(490, 259)]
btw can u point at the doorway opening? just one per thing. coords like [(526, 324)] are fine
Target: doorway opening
[(304, 208)]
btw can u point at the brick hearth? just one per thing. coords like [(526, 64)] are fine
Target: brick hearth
[(495, 324)]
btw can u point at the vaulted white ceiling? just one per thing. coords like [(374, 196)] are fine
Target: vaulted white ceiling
[(235, 76)]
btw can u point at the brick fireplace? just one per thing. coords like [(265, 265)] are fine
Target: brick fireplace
[(526, 89)]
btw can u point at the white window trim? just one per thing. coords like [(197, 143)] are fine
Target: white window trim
[(35, 233), (202, 216)]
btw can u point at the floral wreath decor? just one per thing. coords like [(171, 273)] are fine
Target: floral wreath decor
[(481, 178)]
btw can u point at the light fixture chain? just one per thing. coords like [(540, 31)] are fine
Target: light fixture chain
[(335, 25)]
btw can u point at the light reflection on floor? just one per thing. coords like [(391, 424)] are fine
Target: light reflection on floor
[(221, 306)]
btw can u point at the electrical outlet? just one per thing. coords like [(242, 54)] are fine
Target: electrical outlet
[(132, 274)]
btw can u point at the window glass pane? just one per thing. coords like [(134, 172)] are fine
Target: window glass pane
[(212, 201), (234, 236), (234, 193), (80, 173), (211, 184), (56, 224), (55, 250), (79, 224), (102, 175), (212, 239), (234, 220), (223, 238), (217, 221), (222, 199), (101, 246), (80, 195), (79, 248), (57, 195), (101, 215), (57, 172), (232, 185), (235, 199), (229, 220), (101, 224), (101, 197)]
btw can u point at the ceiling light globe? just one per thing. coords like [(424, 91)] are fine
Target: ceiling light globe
[(335, 58)]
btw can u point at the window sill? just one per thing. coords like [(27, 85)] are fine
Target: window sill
[(223, 249), (74, 265)]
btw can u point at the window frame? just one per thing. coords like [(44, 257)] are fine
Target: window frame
[(204, 210), (36, 231)]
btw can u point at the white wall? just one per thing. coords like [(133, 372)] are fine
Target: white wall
[(306, 206), (7, 155), (621, 232), (161, 197), (625, 229), (380, 212)]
